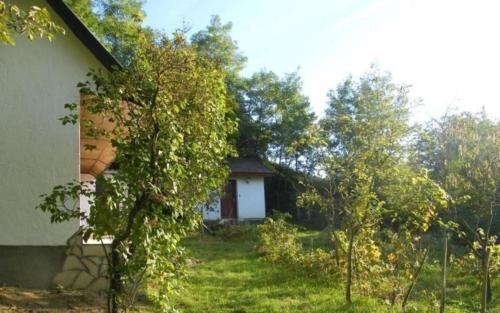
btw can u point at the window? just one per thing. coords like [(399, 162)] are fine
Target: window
[(90, 183)]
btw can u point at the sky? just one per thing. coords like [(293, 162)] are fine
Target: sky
[(447, 50)]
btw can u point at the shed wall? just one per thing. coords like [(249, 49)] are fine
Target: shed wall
[(251, 197)]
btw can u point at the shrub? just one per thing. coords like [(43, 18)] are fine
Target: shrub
[(278, 241), (242, 231)]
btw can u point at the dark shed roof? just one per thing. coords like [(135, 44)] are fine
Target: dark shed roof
[(249, 166), (84, 34)]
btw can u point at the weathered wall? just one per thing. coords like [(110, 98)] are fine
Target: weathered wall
[(251, 197), (251, 202), (84, 267), (74, 266), (36, 79), (30, 266), (212, 212)]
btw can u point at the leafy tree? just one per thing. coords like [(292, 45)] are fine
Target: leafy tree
[(117, 23), (367, 184), (364, 125), (463, 153), (276, 120), (274, 115), (216, 44), (35, 22), (170, 134), (257, 114), (412, 202), (293, 130)]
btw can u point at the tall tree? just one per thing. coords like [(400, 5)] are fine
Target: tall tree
[(364, 126), (463, 153), (274, 116), (293, 137), (215, 43), (117, 23), (35, 22), (170, 133), (257, 114), (276, 119)]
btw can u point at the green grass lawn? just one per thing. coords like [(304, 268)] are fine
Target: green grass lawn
[(229, 276)]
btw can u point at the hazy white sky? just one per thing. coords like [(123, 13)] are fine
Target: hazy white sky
[(448, 50)]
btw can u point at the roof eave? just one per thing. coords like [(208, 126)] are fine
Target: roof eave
[(85, 35)]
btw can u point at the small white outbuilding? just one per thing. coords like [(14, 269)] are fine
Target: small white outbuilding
[(244, 197)]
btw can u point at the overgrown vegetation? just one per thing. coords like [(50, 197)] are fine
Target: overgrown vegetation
[(169, 129), (300, 257), (386, 189)]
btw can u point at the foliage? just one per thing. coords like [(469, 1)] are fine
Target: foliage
[(470, 263), (401, 261), (276, 121), (230, 276), (117, 23), (462, 151), (35, 22), (368, 186), (170, 134), (278, 230), (215, 43), (242, 231)]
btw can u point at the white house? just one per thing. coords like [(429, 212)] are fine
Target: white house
[(244, 196), (37, 153)]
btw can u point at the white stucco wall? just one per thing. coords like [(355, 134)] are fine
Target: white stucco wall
[(251, 197), (36, 151), (84, 200), (251, 201), (212, 213)]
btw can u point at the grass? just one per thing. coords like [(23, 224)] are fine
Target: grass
[(229, 276)]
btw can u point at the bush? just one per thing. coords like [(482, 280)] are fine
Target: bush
[(278, 241), (242, 231), (279, 244), (384, 273)]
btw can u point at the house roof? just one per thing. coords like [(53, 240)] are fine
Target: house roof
[(249, 166), (84, 34)]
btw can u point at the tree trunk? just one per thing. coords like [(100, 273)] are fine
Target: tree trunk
[(348, 288), (415, 278), (443, 275), (489, 294), (115, 283), (485, 269)]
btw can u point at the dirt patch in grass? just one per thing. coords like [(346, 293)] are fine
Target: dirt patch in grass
[(41, 301)]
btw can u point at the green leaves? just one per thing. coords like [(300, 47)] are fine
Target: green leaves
[(117, 23), (34, 23), (376, 203), (170, 129)]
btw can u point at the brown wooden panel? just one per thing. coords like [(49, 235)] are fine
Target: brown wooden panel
[(228, 201)]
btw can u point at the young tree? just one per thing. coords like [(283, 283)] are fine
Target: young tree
[(368, 184), (170, 134), (463, 152), (35, 22), (364, 126)]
